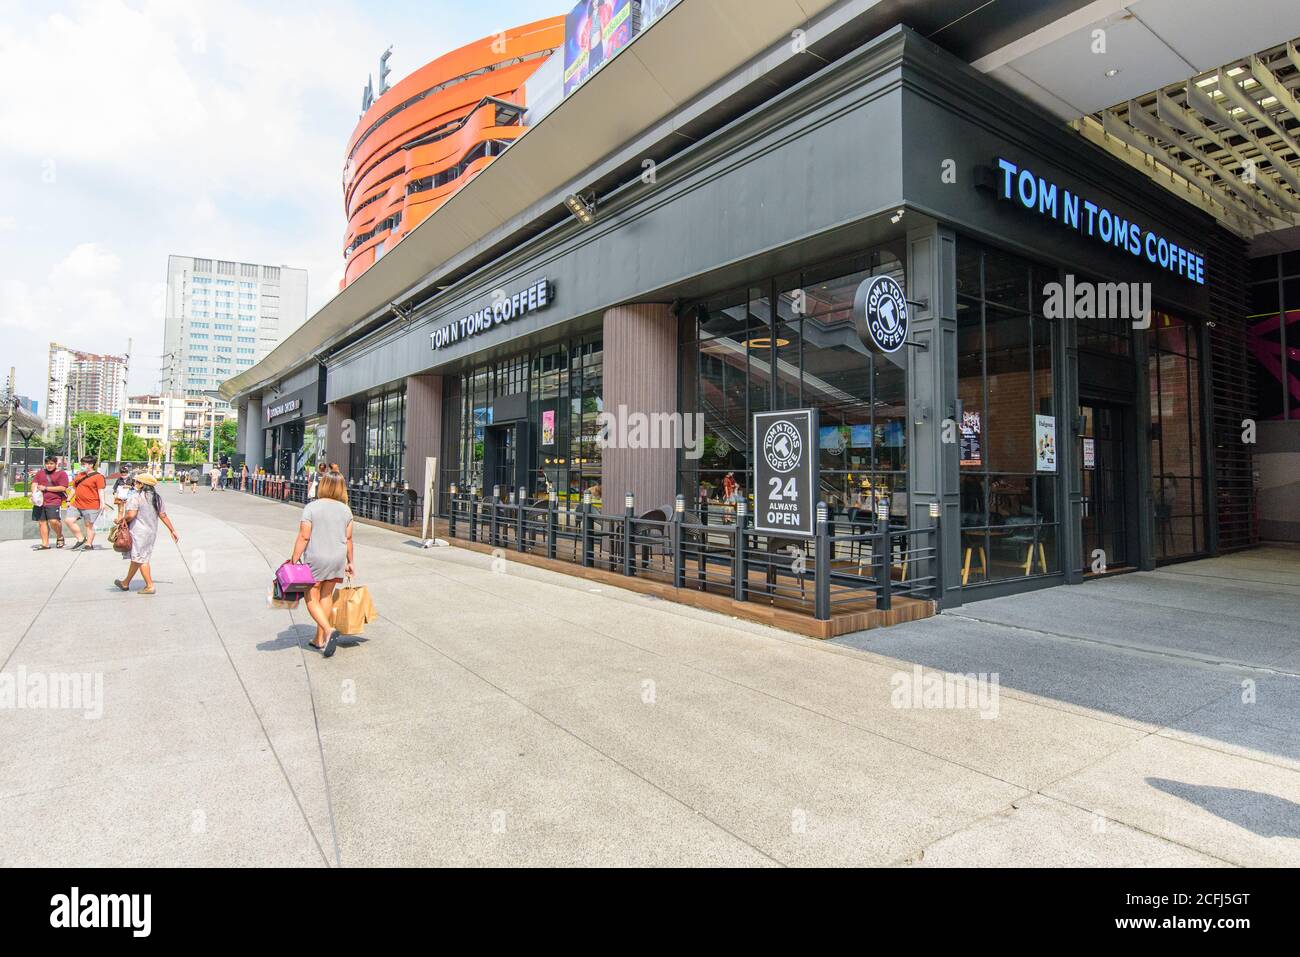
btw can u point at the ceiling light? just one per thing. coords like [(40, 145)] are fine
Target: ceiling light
[(582, 207)]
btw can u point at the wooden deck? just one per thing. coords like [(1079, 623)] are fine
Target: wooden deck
[(851, 610)]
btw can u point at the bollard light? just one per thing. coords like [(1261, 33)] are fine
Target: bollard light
[(453, 489), (823, 513), (679, 506), (882, 509), (629, 501), (741, 507), (586, 497), (512, 496), (496, 493), (934, 509)]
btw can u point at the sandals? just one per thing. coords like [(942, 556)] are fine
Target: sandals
[(147, 591), (40, 548), (122, 585), (60, 545), (331, 645)]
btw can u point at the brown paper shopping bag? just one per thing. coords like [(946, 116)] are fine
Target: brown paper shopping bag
[(353, 609)]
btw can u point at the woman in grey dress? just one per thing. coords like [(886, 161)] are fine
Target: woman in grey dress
[(144, 510), (325, 544)]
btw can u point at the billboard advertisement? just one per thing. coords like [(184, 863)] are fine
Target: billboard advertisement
[(594, 31), (652, 10)]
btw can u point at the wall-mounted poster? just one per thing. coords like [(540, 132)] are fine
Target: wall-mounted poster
[(1090, 454), (971, 439), (548, 427), (1045, 442), (593, 32)]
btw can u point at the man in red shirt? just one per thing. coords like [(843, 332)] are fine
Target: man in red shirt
[(86, 503), (52, 482)]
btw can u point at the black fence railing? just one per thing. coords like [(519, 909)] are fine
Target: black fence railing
[(868, 566), (389, 504)]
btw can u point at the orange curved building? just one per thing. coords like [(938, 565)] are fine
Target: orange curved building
[(433, 132)]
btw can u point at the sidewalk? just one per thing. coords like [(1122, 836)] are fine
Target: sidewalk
[(502, 714)]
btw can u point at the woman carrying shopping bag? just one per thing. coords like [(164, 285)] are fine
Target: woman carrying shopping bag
[(144, 510), (325, 544)]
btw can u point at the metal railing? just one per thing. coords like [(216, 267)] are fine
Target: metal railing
[(380, 503), (869, 567)]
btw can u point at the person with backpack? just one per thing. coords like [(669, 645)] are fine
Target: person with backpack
[(144, 510), (48, 487), (86, 503)]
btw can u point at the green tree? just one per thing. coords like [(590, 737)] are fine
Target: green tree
[(100, 432), (226, 434)]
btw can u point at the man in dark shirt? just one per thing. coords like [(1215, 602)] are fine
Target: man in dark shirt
[(52, 482)]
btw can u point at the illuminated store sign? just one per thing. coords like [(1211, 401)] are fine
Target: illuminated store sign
[(284, 408), (1096, 221), (502, 310)]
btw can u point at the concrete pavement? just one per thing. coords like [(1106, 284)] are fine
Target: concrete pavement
[(501, 714)]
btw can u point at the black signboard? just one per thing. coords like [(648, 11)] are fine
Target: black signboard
[(786, 472)]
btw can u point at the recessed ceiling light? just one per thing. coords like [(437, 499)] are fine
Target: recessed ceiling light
[(1112, 72)]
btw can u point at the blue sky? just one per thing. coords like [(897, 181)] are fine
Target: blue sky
[(131, 130)]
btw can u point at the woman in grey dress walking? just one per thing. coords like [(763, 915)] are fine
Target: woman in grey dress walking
[(144, 510), (325, 544)]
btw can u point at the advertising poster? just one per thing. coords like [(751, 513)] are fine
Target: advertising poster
[(1045, 442), (593, 32), (1090, 454), (970, 439), (652, 10), (548, 427), (786, 472)]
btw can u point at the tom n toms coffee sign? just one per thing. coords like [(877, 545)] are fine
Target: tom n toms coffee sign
[(284, 408), (501, 310), (880, 313), (785, 472)]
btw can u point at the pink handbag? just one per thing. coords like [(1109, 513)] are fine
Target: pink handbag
[(294, 579)]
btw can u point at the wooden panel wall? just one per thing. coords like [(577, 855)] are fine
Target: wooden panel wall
[(336, 451), (423, 426), (640, 344)]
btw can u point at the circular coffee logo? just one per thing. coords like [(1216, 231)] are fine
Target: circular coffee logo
[(782, 447), (880, 313)]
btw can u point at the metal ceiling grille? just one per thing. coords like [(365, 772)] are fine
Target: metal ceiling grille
[(1227, 141)]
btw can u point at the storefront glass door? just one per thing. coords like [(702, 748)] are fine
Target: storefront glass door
[(1105, 485)]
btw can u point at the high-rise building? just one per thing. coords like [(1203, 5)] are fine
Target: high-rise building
[(221, 317), (83, 382)]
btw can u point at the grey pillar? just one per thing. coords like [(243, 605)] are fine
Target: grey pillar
[(933, 471), (1069, 502), (340, 433), (250, 422), (640, 344), (423, 427)]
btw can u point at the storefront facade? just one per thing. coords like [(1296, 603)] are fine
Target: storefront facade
[(1058, 438)]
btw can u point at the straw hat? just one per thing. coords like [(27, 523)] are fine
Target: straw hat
[(146, 479)]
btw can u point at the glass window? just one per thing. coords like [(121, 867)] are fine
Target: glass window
[(739, 357), (1005, 378), (1176, 447)]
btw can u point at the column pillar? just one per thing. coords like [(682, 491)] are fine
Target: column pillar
[(340, 433), (640, 376), (250, 420), (933, 449), (423, 428)]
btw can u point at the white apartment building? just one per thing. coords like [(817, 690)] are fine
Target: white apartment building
[(222, 316), (168, 419), (90, 382)]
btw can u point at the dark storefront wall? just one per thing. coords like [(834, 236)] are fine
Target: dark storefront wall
[(284, 421), (801, 182)]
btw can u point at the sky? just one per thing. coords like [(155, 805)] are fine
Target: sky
[(211, 128)]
